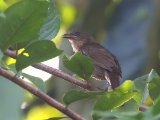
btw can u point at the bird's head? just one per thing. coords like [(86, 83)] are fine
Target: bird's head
[(77, 39)]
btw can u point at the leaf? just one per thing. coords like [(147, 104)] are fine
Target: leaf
[(56, 118), (115, 98), (111, 101), (12, 97), (127, 86), (153, 113), (141, 85), (1, 61), (22, 22), (1, 55), (36, 52), (129, 106), (79, 64), (119, 115), (75, 95), (36, 81), (155, 110), (52, 23), (154, 85)]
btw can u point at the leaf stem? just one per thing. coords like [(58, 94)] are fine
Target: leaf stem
[(81, 83)]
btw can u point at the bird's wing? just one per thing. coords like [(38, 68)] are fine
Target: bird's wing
[(101, 57)]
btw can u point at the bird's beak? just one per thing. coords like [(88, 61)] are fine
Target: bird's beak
[(70, 36)]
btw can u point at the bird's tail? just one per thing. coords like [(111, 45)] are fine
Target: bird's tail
[(113, 78)]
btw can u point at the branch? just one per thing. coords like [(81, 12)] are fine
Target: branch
[(50, 101), (81, 83)]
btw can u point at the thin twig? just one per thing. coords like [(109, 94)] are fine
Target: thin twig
[(50, 101), (81, 83), (143, 107)]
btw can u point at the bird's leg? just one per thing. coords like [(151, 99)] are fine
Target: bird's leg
[(108, 82), (108, 86)]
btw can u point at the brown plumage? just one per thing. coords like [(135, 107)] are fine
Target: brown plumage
[(106, 66)]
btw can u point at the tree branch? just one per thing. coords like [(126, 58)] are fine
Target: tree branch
[(50, 101), (81, 83)]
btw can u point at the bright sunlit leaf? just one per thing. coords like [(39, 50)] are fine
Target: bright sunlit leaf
[(38, 51)]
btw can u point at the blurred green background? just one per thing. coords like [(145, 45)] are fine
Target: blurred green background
[(128, 28)]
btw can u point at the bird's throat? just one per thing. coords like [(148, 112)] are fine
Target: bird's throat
[(76, 47)]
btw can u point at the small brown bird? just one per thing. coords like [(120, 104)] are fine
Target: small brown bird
[(106, 66)]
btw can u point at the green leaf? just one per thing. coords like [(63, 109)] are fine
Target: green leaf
[(127, 86), (111, 101), (22, 22), (155, 110), (3, 64), (36, 81), (52, 23), (36, 52), (79, 64), (115, 98), (154, 85), (118, 115), (141, 85), (153, 113), (129, 106), (1, 55), (75, 95)]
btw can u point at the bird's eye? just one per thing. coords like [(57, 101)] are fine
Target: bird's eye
[(77, 33)]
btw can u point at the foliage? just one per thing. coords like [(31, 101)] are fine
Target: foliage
[(79, 64), (34, 52), (33, 29)]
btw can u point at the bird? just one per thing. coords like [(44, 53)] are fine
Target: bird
[(106, 65)]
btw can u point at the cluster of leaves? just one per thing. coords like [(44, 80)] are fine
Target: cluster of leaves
[(125, 102), (33, 29)]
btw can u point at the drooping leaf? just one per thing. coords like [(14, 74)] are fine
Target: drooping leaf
[(36, 52), (36, 81), (75, 95), (79, 64), (22, 22), (154, 85), (52, 23)]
